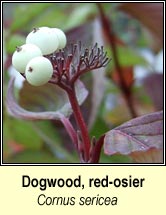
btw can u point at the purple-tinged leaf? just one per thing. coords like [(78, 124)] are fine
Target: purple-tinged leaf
[(153, 85), (137, 135), (48, 97), (150, 15), (64, 111), (83, 33), (151, 156)]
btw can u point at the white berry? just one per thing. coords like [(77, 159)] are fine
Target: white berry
[(44, 38), (38, 71), (23, 55), (61, 37)]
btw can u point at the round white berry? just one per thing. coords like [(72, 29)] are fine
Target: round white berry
[(38, 71), (23, 55), (61, 37), (44, 38)]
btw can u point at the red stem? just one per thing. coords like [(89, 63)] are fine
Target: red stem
[(80, 122), (107, 27), (96, 150)]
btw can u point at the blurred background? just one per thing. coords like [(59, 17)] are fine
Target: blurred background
[(137, 30)]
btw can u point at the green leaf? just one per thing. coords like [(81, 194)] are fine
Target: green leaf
[(53, 17), (25, 13), (13, 42), (115, 159), (53, 140), (30, 156), (80, 15), (99, 127), (22, 133), (128, 57), (47, 128)]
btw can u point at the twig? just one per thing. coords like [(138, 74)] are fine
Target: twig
[(107, 28)]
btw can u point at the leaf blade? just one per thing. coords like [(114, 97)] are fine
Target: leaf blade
[(139, 134), (150, 15), (17, 111)]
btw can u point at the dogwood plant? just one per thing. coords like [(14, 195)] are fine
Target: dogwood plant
[(50, 61)]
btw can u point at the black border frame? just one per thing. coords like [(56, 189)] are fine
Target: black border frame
[(79, 164)]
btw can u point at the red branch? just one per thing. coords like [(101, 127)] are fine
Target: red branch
[(81, 123), (107, 28)]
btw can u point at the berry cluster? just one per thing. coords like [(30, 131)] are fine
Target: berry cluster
[(46, 58), (29, 59)]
